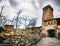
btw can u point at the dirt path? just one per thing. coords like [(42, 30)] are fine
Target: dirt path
[(47, 41)]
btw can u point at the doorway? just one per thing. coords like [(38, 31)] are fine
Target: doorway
[(51, 33)]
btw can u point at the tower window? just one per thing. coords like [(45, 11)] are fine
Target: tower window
[(50, 23), (45, 24)]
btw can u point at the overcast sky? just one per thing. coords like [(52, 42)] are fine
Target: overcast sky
[(32, 8)]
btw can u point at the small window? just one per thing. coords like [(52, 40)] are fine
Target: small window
[(54, 22), (45, 23), (50, 23)]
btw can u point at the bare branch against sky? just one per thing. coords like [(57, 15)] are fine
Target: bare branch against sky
[(2, 18)]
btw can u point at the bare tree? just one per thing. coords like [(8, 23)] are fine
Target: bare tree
[(32, 22), (25, 19), (2, 18), (16, 20)]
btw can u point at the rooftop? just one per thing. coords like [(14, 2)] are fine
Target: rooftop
[(48, 6)]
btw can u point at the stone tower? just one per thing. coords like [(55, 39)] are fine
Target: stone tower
[(49, 25), (47, 13)]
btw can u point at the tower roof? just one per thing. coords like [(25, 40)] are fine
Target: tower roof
[(48, 6)]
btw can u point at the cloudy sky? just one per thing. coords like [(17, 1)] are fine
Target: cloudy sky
[(29, 7)]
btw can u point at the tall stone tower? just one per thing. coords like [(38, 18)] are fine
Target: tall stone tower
[(47, 13), (49, 25)]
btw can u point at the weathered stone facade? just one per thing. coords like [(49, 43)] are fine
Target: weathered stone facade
[(49, 25)]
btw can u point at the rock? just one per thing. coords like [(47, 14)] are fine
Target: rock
[(48, 41)]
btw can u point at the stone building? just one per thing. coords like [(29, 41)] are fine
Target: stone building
[(49, 24), (8, 27)]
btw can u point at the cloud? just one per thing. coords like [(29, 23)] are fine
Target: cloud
[(57, 2), (0, 0), (8, 10), (36, 4), (31, 8), (13, 3), (35, 8)]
